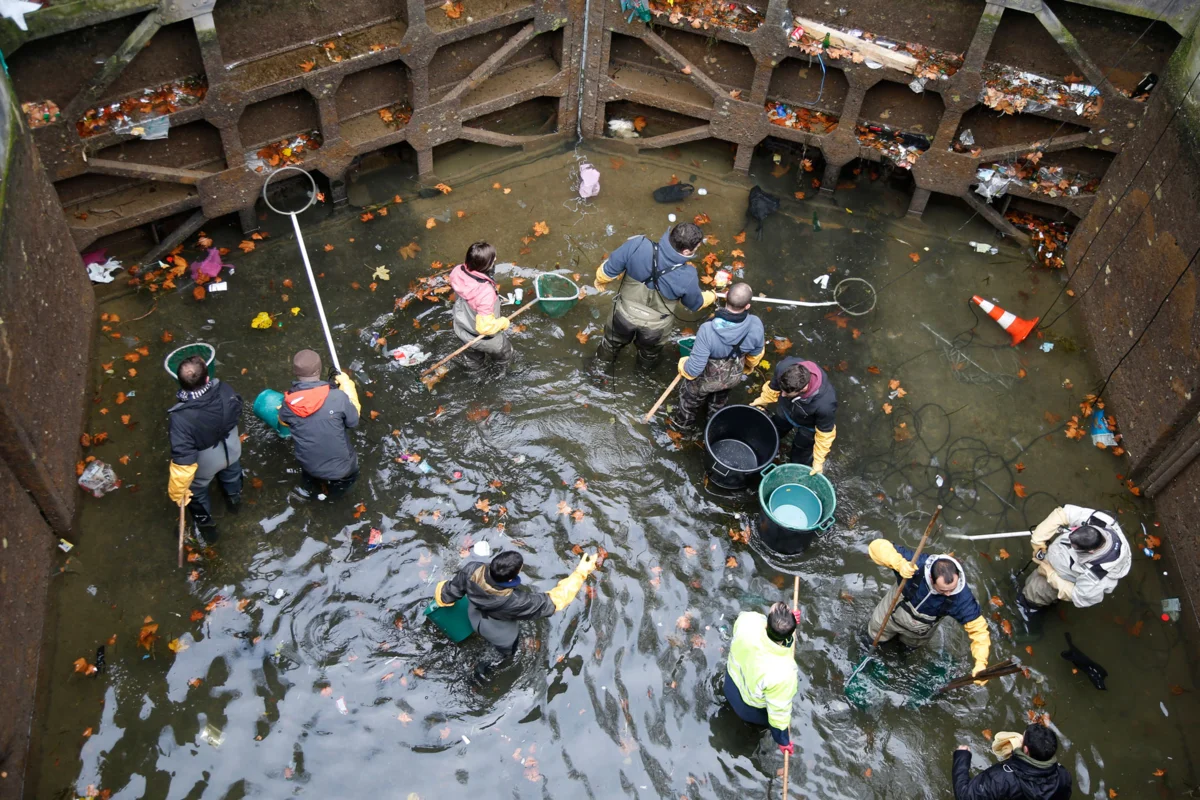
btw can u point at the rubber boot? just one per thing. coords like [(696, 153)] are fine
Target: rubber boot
[(1034, 618), (233, 504)]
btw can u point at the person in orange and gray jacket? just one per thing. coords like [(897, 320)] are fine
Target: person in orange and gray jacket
[(496, 604), (477, 308), (320, 416)]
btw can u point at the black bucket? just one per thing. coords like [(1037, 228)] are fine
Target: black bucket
[(740, 441)]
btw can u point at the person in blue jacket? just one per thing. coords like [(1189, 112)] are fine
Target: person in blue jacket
[(655, 279), (935, 587), (730, 344)]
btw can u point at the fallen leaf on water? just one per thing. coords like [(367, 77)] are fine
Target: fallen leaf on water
[(1019, 466), (1007, 627), (195, 683), (1020, 490), (87, 732), (581, 484), (582, 336), (731, 562), (199, 293), (782, 344), (564, 507), (307, 66), (740, 535), (577, 514), (684, 623), (82, 665), (867, 772), (701, 219), (1029, 649), (687, 70), (177, 646), (148, 635), (1112, 794), (780, 170), (639, 124), (874, 370), (443, 188), (1158, 773), (359, 510), (246, 246), (914, 257), (444, 733), (327, 691), (1136, 628), (887, 408), (1039, 701), (409, 250), (1051, 418), (430, 223), (798, 195), (404, 717), (197, 615), (689, 551), (540, 228), (997, 602), (328, 247), (1003, 554), (483, 505)]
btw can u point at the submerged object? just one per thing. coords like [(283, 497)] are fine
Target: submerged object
[(622, 129), (760, 206), (1096, 673), (673, 193)]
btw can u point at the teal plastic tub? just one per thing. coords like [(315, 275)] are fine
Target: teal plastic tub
[(452, 620), (266, 408), (685, 345), (790, 520)]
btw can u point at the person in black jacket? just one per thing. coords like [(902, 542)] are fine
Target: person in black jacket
[(806, 402), (1030, 770), (495, 604), (205, 443)]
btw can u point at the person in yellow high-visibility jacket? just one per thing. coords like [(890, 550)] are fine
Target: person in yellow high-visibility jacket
[(760, 677)]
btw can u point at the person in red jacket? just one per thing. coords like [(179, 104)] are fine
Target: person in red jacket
[(477, 309)]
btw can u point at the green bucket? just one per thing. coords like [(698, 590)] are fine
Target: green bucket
[(784, 532), (266, 408), (685, 345), (556, 294), (176, 357), (453, 620)]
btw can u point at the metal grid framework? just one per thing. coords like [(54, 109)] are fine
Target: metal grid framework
[(441, 66)]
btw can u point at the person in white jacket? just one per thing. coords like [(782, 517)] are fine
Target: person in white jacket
[(1081, 553)]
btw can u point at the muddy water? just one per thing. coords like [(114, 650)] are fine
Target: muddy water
[(309, 668)]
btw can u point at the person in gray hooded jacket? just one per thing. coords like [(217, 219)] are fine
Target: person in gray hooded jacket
[(1081, 565), (730, 344), (320, 417)]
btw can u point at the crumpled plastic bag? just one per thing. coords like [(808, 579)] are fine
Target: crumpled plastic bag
[(211, 265), (98, 478), (262, 321), (103, 273), (409, 354), (589, 180)]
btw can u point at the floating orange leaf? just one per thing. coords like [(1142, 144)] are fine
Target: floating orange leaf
[(914, 257), (409, 250), (564, 507), (782, 344), (307, 66), (246, 246), (430, 223), (443, 188), (701, 219), (1003, 554), (582, 336), (887, 408), (639, 124), (740, 238), (1020, 490), (540, 228), (483, 505)]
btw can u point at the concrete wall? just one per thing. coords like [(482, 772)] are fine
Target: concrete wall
[(46, 312), (1135, 250)]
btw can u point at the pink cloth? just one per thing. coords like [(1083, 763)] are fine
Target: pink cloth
[(814, 379), (210, 266), (478, 290), (589, 180), (95, 256)]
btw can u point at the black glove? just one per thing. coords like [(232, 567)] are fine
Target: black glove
[(1040, 555), (333, 373)]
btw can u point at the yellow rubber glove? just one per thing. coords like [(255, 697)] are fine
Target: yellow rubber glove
[(884, 554), (753, 361), (1049, 527), (766, 398), (562, 594), (487, 325), (343, 382), (981, 644), (437, 595), (179, 481), (683, 372), (1005, 743), (602, 280), (822, 441), (709, 299)]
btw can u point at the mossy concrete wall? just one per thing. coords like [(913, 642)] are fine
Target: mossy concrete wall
[(46, 312)]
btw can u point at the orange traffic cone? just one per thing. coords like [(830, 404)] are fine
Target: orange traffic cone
[(1017, 328)]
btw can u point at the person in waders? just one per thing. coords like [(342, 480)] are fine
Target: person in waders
[(939, 590), (320, 416), (805, 401), (1029, 769), (1082, 565), (726, 347), (496, 604), (656, 278), (477, 309), (205, 444), (761, 674)]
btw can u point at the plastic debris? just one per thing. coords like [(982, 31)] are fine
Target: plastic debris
[(99, 478), (103, 273), (1050, 237), (341, 706), (284, 153), (800, 118), (822, 280), (212, 735), (702, 192), (1044, 179), (1170, 609), (151, 129), (149, 104), (65, 546), (589, 180), (1046, 347), (1101, 435), (409, 355), (38, 115), (901, 148), (482, 549), (622, 129), (966, 138), (262, 322), (1011, 91), (671, 217), (992, 184), (210, 266), (374, 539), (984, 247)]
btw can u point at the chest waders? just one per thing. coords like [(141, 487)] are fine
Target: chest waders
[(645, 307)]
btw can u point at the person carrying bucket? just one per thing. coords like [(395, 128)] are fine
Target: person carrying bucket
[(1029, 769), (806, 402), (320, 416), (726, 346), (761, 674), (205, 444), (655, 280), (496, 605), (477, 309), (940, 591), (1082, 565)]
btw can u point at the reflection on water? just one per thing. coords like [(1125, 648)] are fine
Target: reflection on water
[(304, 664)]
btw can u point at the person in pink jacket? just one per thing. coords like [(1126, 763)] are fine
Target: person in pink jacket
[(477, 309)]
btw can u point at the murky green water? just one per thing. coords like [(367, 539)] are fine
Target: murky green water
[(615, 696)]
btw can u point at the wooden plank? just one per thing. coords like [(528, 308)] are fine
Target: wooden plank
[(889, 58)]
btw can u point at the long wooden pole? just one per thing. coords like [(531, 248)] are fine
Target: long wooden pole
[(903, 582), (662, 398), (787, 756), (473, 342), (181, 524)]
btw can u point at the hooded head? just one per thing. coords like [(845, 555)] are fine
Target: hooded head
[(944, 575), (306, 365)]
